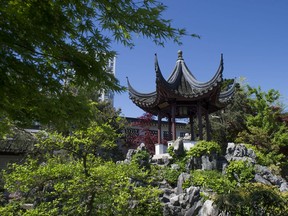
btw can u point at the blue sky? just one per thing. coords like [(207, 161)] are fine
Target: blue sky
[(251, 34)]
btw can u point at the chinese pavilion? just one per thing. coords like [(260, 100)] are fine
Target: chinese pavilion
[(183, 96)]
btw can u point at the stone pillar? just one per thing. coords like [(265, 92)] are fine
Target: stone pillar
[(173, 121), (200, 125), (159, 128)]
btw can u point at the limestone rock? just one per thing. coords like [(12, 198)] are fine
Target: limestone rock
[(206, 162), (265, 176), (236, 152), (208, 209), (181, 179), (178, 146)]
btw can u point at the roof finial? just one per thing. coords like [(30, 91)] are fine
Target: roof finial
[(180, 57)]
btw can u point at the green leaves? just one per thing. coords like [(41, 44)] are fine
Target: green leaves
[(211, 179), (254, 199), (49, 48), (264, 126), (240, 171), (204, 147), (73, 174), (63, 187)]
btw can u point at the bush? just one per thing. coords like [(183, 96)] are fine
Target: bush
[(266, 158), (241, 171), (171, 152), (253, 199), (171, 175), (204, 147), (142, 159), (210, 179)]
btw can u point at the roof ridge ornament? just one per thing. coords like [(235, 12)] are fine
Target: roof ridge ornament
[(180, 55), (156, 63)]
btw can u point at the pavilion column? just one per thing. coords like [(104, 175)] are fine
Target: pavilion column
[(199, 116), (208, 129), (192, 128), (169, 128), (159, 128), (173, 121)]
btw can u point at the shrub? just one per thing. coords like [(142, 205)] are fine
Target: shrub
[(210, 179), (253, 199), (170, 151), (266, 158), (204, 147), (142, 159), (171, 175), (241, 171)]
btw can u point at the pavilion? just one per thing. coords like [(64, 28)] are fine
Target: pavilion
[(183, 96)]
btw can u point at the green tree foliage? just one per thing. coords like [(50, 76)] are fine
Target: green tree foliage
[(48, 47), (142, 158), (67, 177), (263, 127), (204, 147), (211, 179), (240, 171), (227, 123), (254, 199)]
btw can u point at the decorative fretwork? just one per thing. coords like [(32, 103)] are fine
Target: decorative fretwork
[(131, 133)]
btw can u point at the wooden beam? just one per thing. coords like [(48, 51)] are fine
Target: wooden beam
[(173, 111), (159, 128), (200, 125), (208, 128), (169, 128), (192, 128)]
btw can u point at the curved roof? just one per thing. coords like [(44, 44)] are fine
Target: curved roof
[(183, 88)]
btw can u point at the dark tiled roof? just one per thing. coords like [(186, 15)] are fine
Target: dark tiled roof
[(182, 86)]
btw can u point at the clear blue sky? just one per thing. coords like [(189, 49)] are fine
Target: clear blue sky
[(251, 34)]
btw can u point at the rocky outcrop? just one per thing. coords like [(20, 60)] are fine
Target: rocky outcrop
[(178, 146), (239, 152), (262, 173), (206, 162), (181, 201), (181, 179), (265, 176), (208, 208), (131, 152), (188, 203)]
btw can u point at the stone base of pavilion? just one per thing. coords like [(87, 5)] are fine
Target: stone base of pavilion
[(161, 149), (187, 144)]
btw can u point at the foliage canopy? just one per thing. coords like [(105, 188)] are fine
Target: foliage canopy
[(66, 176), (49, 48)]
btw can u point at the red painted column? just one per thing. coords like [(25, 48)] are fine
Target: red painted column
[(200, 125), (159, 128), (169, 128), (208, 131), (192, 128), (173, 121)]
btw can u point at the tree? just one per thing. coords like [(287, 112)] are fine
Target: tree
[(264, 128), (145, 135), (227, 123), (67, 175), (49, 46)]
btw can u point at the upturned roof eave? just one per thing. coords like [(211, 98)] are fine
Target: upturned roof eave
[(226, 96), (195, 88), (169, 90), (140, 99)]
